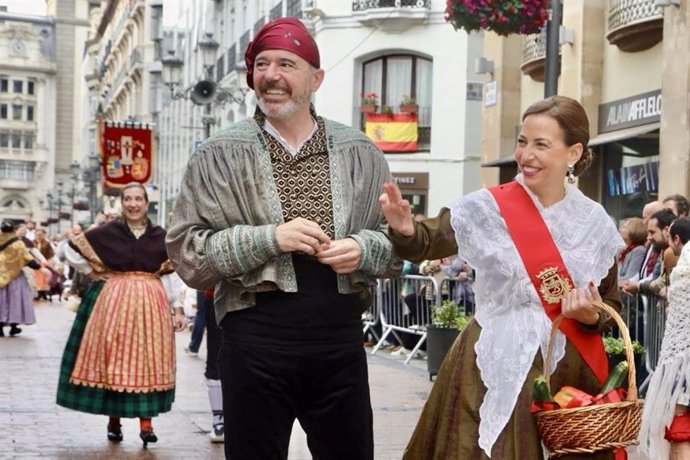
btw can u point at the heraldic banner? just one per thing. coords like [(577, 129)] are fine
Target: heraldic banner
[(126, 152), (393, 132)]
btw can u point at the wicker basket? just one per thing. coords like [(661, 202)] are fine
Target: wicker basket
[(589, 429)]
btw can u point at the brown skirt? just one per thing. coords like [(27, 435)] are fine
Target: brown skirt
[(448, 428)]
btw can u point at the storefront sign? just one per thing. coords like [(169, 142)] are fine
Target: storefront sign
[(632, 111), (412, 181)]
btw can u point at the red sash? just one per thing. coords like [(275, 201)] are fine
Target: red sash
[(546, 269)]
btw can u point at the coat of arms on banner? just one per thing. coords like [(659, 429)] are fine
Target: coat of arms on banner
[(127, 153)]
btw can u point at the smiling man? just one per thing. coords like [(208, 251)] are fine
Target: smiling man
[(280, 213)]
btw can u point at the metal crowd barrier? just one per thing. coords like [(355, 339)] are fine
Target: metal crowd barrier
[(406, 308), (402, 308)]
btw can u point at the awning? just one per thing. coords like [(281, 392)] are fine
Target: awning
[(626, 133), (503, 161)]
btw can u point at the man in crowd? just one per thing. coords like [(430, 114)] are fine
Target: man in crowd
[(657, 234), (280, 212)]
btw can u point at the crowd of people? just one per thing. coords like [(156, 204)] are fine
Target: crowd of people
[(275, 242)]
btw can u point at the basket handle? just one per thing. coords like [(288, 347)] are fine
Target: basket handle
[(632, 384)]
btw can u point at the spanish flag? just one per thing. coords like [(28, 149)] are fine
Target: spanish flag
[(394, 132)]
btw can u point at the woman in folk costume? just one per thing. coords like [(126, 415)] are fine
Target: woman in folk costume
[(539, 247), (120, 357), (16, 303), (665, 431)]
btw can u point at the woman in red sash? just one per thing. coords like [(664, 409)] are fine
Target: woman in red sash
[(120, 356), (539, 247)]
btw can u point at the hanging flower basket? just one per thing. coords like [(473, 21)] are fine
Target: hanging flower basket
[(504, 17)]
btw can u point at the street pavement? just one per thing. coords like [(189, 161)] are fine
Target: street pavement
[(32, 426)]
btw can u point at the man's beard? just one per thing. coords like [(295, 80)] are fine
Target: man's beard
[(288, 109)]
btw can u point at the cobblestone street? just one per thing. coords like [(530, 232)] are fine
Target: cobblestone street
[(33, 426)]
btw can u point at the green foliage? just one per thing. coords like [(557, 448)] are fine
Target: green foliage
[(449, 315), (615, 346), (407, 100)]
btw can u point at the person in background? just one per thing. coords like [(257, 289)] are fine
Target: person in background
[(213, 385), (479, 406), (665, 431), (124, 318), (16, 304), (279, 213), (678, 204)]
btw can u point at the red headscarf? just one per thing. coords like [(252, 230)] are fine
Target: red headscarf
[(287, 34)]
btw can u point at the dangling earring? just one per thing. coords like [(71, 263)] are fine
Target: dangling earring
[(571, 176)]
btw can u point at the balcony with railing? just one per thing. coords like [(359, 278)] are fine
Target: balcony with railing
[(391, 15), (634, 25), (534, 55)]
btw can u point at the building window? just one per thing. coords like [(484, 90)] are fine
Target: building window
[(17, 170), (16, 111), (16, 140), (30, 87), (4, 140), (18, 86), (28, 141), (4, 85), (394, 76), (3, 111), (29, 113)]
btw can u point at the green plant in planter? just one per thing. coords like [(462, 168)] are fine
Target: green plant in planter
[(449, 315), (615, 346)]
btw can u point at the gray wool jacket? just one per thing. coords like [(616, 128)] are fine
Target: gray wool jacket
[(223, 228)]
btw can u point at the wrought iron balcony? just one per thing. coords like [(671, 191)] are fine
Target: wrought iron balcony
[(534, 55), (391, 15), (634, 25)]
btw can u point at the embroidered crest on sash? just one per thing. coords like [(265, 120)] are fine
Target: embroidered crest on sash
[(553, 286)]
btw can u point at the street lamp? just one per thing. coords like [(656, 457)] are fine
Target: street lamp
[(90, 176), (206, 90), (74, 177), (58, 188)]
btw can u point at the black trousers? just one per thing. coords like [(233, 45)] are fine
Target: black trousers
[(213, 336), (325, 387)]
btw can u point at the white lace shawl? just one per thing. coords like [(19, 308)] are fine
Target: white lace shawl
[(671, 377), (514, 324)]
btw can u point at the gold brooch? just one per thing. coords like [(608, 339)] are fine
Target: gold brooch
[(553, 286)]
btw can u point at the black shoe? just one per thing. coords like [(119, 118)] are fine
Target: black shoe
[(14, 330), (114, 433), (148, 436), (2, 333)]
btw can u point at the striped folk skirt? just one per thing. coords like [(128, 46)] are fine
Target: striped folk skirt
[(119, 359)]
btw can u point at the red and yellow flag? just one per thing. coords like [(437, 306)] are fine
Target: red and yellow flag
[(395, 132)]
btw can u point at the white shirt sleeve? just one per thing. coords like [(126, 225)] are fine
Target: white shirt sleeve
[(174, 289), (76, 260)]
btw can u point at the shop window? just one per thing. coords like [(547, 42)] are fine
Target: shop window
[(18, 86), (397, 77)]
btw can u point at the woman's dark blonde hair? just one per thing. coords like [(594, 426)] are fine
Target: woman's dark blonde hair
[(637, 230), (572, 119)]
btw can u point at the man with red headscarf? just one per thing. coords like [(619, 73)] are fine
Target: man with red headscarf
[(280, 212)]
